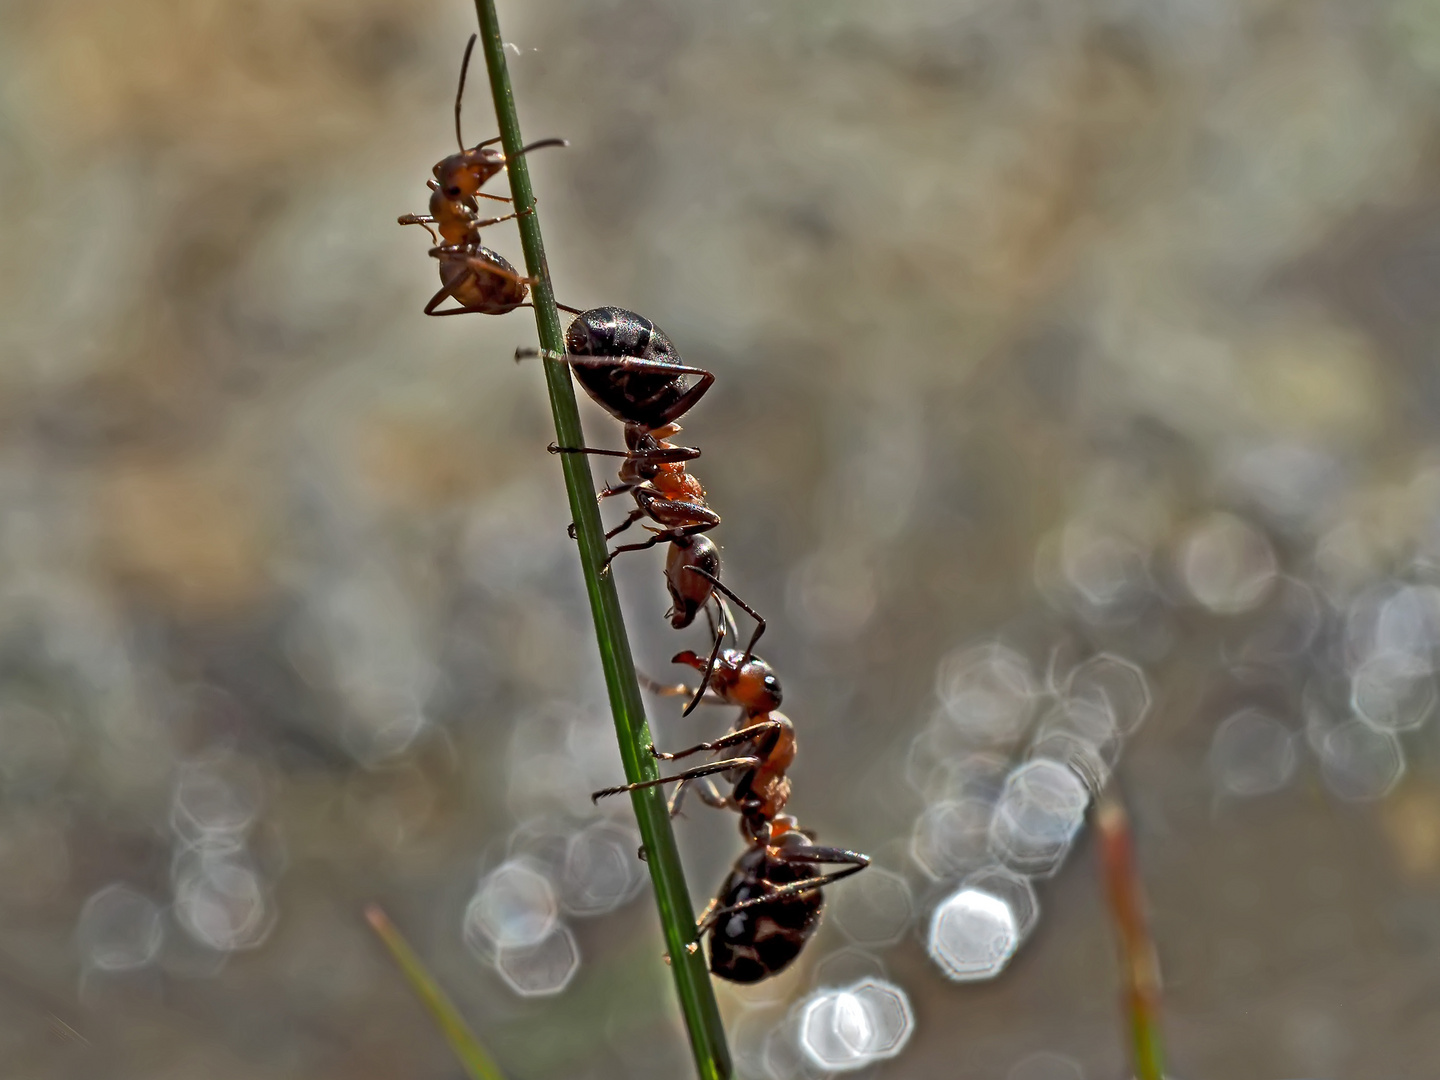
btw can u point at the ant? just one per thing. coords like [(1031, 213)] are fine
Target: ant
[(770, 904), (653, 472), (462, 175), (764, 737), (630, 367), (481, 280)]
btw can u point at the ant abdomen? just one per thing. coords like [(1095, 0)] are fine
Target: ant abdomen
[(689, 591)]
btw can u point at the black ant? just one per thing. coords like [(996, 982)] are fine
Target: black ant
[(770, 905), (481, 280)]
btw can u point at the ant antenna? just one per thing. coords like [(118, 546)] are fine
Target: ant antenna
[(720, 633), (460, 91)]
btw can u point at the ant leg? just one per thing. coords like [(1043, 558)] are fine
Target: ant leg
[(753, 733), (655, 686), (856, 861), (709, 795), (759, 620), (497, 198), (448, 290), (659, 535), (635, 515), (479, 264), (689, 774), (554, 449), (687, 400), (423, 220), (487, 222), (639, 366)]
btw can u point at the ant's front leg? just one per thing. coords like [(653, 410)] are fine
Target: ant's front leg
[(689, 774), (752, 734)]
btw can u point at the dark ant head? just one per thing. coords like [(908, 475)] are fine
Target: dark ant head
[(689, 592)]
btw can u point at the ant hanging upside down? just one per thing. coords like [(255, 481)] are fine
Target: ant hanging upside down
[(770, 905), (481, 280)]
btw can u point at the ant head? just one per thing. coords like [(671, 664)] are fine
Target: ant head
[(688, 592), (462, 175), (753, 685)]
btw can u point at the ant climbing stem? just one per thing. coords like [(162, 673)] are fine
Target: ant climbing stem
[(465, 173), (480, 280)]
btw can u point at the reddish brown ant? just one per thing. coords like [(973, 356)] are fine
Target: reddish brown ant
[(764, 736), (481, 280), (770, 904), (654, 473), (462, 175)]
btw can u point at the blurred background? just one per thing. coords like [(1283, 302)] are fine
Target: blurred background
[(1075, 424)]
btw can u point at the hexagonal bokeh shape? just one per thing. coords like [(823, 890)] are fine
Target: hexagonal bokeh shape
[(1037, 817), (892, 1021), (988, 691), (542, 969), (876, 909), (848, 1029), (951, 836), (1252, 753), (601, 871), (119, 929), (1360, 763), (1393, 691), (973, 935), (1115, 684), (514, 907)]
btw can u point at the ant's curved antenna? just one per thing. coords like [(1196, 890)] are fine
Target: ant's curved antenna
[(460, 91)]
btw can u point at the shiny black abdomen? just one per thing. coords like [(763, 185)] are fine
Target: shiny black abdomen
[(634, 397), (759, 941)]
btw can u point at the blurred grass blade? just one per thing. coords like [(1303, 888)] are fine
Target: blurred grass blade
[(479, 1064), (672, 899), (1139, 966)]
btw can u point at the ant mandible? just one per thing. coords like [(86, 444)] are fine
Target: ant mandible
[(770, 904)]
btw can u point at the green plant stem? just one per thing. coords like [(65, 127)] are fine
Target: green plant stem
[(677, 916), (479, 1064), (1139, 967)]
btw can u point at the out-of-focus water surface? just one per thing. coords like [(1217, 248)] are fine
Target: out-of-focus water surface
[(1075, 425)]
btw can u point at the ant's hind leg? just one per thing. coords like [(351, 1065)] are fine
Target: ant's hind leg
[(856, 861), (447, 290)]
